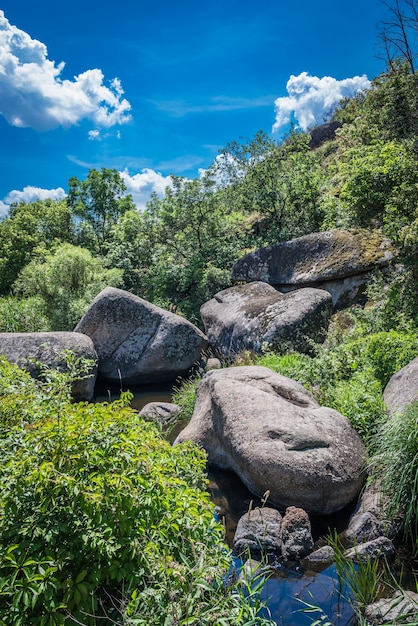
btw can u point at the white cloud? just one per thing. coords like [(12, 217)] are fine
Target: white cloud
[(4, 208), (310, 98), (143, 184), (30, 194), (33, 94), (180, 108)]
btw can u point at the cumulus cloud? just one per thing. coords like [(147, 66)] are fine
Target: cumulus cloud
[(310, 98), (143, 184), (33, 94), (30, 194)]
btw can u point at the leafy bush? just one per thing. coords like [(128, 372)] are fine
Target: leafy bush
[(101, 519)]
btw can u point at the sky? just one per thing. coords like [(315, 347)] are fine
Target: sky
[(159, 88)]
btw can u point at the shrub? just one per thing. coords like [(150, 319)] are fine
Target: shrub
[(101, 519)]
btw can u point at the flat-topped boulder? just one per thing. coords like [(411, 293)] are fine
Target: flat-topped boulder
[(138, 342), (273, 434), (335, 260), (402, 388), (255, 315), (31, 351)]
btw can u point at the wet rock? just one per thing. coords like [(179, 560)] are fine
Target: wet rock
[(253, 316), (380, 548), (272, 433), (402, 388), (401, 607), (139, 342), (297, 539), (259, 529), (336, 260), (28, 350)]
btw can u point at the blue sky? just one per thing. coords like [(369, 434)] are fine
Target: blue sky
[(156, 88)]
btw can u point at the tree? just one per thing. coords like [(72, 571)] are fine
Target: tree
[(66, 280), (28, 227), (98, 202), (398, 33)]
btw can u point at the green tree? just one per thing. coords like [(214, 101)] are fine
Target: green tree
[(194, 238), (27, 227), (67, 280), (98, 202)]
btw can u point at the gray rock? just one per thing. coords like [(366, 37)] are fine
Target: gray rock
[(162, 413), (402, 606), (271, 432), (252, 316), (321, 556), (259, 529), (380, 548), (363, 527), (402, 388), (336, 260), (137, 341), (297, 539), (49, 348)]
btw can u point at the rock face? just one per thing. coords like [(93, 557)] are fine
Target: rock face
[(297, 539), (336, 260), (402, 388), (29, 349), (272, 433), (246, 317), (259, 529), (137, 341)]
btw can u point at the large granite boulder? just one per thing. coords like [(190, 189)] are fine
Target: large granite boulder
[(336, 260), (28, 350), (402, 388), (272, 433), (138, 342), (248, 317)]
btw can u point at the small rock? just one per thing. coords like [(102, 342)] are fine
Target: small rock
[(297, 539), (162, 413), (324, 555), (382, 547), (363, 527), (403, 605), (259, 529)]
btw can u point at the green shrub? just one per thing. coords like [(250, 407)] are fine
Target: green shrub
[(101, 519)]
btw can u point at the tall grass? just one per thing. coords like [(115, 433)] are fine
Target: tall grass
[(395, 462)]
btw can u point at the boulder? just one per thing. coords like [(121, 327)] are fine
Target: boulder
[(402, 388), (321, 556), (252, 316), (259, 529), (138, 342), (272, 433), (297, 541), (336, 260), (402, 607), (28, 350)]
